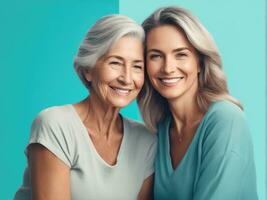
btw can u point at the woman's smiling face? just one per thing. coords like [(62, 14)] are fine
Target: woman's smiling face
[(118, 76), (172, 62)]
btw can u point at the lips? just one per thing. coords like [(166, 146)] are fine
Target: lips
[(121, 91), (169, 81)]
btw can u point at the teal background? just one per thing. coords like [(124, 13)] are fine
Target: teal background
[(39, 39), (238, 28)]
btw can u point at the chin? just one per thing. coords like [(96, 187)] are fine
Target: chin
[(120, 103), (170, 95)]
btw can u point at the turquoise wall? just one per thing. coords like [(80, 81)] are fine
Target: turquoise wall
[(39, 40)]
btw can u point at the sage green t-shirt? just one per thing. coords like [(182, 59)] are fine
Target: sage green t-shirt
[(62, 132)]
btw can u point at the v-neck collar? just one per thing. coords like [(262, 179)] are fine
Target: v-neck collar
[(190, 148), (91, 144), (167, 143)]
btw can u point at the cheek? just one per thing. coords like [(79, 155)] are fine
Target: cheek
[(139, 80), (151, 69), (190, 69), (195, 66), (194, 70), (107, 75)]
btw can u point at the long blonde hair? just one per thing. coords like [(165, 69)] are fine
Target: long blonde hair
[(212, 85)]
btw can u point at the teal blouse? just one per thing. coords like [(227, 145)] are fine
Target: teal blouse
[(218, 164)]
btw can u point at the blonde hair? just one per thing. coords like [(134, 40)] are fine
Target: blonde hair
[(212, 85)]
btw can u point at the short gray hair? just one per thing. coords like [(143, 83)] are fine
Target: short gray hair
[(212, 81), (99, 39)]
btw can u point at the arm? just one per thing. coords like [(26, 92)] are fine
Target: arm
[(221, 178), (49, 175), (227, 165), (146, 189)]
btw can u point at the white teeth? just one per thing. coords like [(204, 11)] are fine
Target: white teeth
[(170, 80), (121, 91)]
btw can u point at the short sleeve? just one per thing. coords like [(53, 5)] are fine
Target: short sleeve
[(150, 158), (227, 158), (47, 130)]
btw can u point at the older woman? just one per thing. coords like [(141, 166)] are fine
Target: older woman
[(205, 150), (88, 150)]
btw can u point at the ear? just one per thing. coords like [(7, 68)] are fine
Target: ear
[(88, 74)]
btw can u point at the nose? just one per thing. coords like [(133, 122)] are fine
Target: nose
[(169, 65), (126, 76)]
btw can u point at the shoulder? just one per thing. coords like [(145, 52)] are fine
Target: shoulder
[(55, 124), (225, 128), (52, 129), (139, 131), (56, 120), (224, 111), (53, 115)]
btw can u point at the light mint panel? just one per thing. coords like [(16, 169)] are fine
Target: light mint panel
[(238, 28)]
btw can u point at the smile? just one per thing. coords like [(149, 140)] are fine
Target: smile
[(121, 91), (170, 81)]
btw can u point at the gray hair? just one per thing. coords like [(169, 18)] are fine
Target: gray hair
[(212, 81), (99, 39)]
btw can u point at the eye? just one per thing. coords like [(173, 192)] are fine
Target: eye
[(181, 55), (138, 67), (155, 56), (115, 63)]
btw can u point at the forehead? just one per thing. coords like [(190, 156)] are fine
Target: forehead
[(167, 37), (127, 46)]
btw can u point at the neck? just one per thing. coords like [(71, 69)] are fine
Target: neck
[(101, 120), (185, 111)]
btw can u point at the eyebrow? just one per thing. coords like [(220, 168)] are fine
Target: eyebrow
[(175, 50), (121, 58), (181, 49)]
